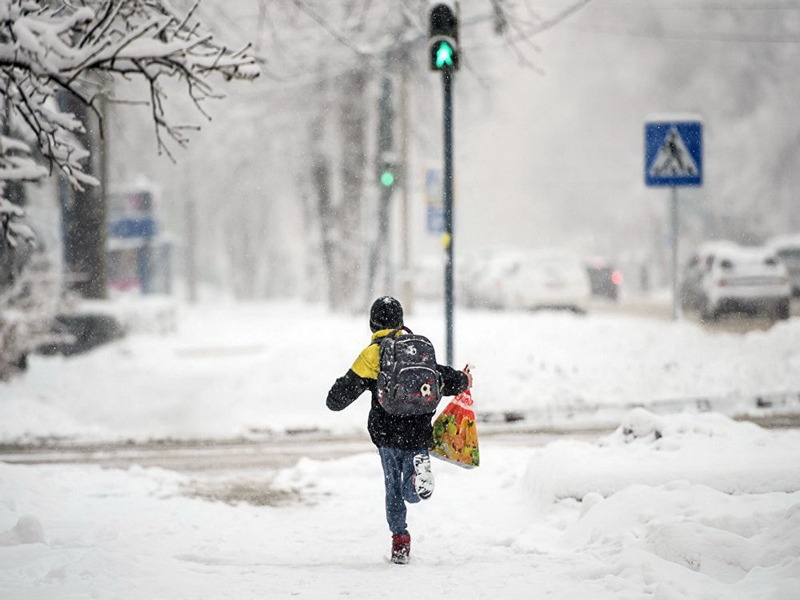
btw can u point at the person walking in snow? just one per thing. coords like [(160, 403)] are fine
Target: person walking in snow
[(402, 440)]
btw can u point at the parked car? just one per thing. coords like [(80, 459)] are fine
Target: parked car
[(787, 248), (692, 293), (548, 279), (493, 283), (604, 279), (484, 275), (736, 278)]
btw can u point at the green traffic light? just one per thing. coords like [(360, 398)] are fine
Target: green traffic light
[(444, 55), (387, 178)]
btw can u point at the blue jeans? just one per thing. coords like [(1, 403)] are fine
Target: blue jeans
[(398, 471)]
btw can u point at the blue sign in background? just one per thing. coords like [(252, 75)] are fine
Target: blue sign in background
[(658, 141), (132, 228), (435, 219)]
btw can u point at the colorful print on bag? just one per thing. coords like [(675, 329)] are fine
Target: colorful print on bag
[(455, 433)]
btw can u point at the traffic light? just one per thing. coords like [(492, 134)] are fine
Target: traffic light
[(387, 178), (388, 174), (443, 36)]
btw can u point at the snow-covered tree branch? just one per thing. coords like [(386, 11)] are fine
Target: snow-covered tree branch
[(49, 47)]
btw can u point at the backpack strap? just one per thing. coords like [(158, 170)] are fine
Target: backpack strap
[(392, 334)]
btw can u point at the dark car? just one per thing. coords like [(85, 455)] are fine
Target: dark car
[(604, 280)]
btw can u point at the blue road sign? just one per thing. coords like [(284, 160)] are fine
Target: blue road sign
[(673, 153), (132, 228), (433, 196)]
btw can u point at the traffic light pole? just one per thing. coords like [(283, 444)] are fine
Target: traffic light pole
[(447, 87), (444, 56)]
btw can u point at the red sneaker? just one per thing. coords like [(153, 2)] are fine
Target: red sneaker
[(401, 548)]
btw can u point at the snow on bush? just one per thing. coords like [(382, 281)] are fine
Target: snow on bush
[(29, 304)]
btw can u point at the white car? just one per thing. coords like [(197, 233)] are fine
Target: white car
[(694, 273), (787, 248), (484, 277), (549, 279), (750, 279)]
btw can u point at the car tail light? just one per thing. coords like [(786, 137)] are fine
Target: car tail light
[(616, 278), (723, 283)]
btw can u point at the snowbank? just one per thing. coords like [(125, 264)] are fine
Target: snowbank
[(709, 449), (686, 506)]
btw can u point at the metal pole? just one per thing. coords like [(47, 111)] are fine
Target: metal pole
[(407, 287), (447, 85), (385, 142), (675, 234), (381, 242)]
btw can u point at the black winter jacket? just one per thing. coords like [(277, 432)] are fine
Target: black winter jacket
[(406, 432)]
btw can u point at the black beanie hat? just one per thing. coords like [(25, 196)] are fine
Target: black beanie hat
[(386, 313)]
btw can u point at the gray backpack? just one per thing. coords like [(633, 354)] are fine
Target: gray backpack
[(408, 381)]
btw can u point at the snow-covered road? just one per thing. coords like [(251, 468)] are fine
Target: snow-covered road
[(213, 457)]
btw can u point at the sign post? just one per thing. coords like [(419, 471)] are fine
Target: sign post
[(673, 157)]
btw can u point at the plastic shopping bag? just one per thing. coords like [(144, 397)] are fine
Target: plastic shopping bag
[(455, 433)]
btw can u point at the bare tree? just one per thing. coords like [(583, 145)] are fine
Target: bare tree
[(359, 40), (297, 108)]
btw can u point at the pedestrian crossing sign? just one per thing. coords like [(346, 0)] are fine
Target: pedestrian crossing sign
[(673, 153)]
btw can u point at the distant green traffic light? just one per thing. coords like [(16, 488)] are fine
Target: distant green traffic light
[(445, 55), (387, 178)]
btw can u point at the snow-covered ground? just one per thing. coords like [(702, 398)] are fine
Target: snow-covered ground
[(680, 506), (243, 370)]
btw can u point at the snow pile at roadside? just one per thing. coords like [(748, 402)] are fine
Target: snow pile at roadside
[(680, 540), (685, 506), (253, 369), (607, 529), (732, 457)]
